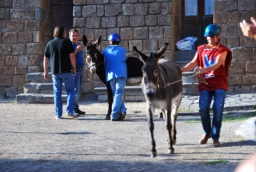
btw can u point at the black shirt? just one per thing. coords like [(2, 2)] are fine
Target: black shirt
[(58, 51)]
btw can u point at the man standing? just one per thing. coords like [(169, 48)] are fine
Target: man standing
[(213, 60), (73, 36), (60, 52)]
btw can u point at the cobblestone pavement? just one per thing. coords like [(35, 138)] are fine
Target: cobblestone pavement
[(32, 140)]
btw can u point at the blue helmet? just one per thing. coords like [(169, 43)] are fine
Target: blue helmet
[(211, 30), (115, 38)]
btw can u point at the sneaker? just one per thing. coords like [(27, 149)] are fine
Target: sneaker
[(116, 119), (57, 117), (204, 138), (71, 116), (122, 115), (216, 143), (78, 111)]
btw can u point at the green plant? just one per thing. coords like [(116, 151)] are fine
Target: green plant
[(238, 117), (221, 161)]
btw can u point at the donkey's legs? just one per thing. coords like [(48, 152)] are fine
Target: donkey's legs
[(169, 129), (174, 115), (151, 129)]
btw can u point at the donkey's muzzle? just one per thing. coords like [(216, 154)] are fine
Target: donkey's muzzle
[(151, 92), (92, 69)]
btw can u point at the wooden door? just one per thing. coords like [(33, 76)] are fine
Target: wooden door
[(62, 14), (196, 15)]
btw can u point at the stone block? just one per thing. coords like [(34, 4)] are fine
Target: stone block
[(23, 60), (137, 21), (155, 32), (21, 70), (151, 20), (230, 29), (2, 61), (141, 33), (219, 6), (18, 49), (232, 41), (6, 80), (250, 66), (126, 33), (89, 11), (108, 22), (131, 1), (249, 79), (29, 14), (123, 21), (19, 80), (242, 89), (5, 49), (117, 1), (100, 10), (5, 3), (11, 60), (231, 5), (35, 48), (15, 13), (137, 43), (141, 9), (79, 2), (33, 25), (233, 17), (167, 31), (166, 8), (3, 25), (77, 11), (237, 67), (15, 25), (32, 69), (113, 9), (154, 8), (38, 36), (89, 34), (40, 14), (24, 37), (9, 37), (246, 5), (11, 91), (164, 20), (150, 45), (87, 87), (102, 32), (128, 9), (4, 13), (93, 22), (235, 79), (254, 54), (101, 2), (242, 54), (247, 42), (78, 22), (8, 70), (220, 18)]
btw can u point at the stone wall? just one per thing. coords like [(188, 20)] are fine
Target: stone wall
[(25, 27), (142, 23), (228, 14)]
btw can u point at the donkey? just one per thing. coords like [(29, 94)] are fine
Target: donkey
[(162, 88), (95, 60)]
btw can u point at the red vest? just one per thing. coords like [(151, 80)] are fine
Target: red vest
[(218, 78)]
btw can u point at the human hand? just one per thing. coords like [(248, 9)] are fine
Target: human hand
[(79, 47), (248, 29), (46, 75)]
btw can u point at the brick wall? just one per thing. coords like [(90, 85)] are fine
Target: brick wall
[(25, 27), (228, 14)]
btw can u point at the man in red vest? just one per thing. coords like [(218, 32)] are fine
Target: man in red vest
[(213, 60)]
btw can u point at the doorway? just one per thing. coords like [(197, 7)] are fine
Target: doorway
[(196, 15), (62, 14)]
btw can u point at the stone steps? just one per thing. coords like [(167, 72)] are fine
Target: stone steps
[(39, 90)]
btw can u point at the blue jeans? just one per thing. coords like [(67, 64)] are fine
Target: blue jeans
[(67, 79), (78, 79), (117, 87), (218, 105)]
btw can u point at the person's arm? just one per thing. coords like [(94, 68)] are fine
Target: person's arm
[(46, 74), (73, 62), (249, 30), (220, 60), (191, 65)]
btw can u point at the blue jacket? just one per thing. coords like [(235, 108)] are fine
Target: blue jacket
[(115, 62)]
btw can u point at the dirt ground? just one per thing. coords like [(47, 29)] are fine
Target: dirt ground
[(33, 140)]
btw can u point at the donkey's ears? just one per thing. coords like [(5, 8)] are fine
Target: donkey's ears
[(162, 50), (142, 55), (85, 41), (98, 41)]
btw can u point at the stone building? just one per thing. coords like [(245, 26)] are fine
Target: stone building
[(26, 26)]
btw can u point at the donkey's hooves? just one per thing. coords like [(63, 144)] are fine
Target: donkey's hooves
[(153, 154), (171, 151)]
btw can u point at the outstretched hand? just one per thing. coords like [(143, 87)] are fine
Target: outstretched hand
[(248, 29)]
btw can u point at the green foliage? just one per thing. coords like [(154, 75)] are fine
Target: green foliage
[(221, 161)]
